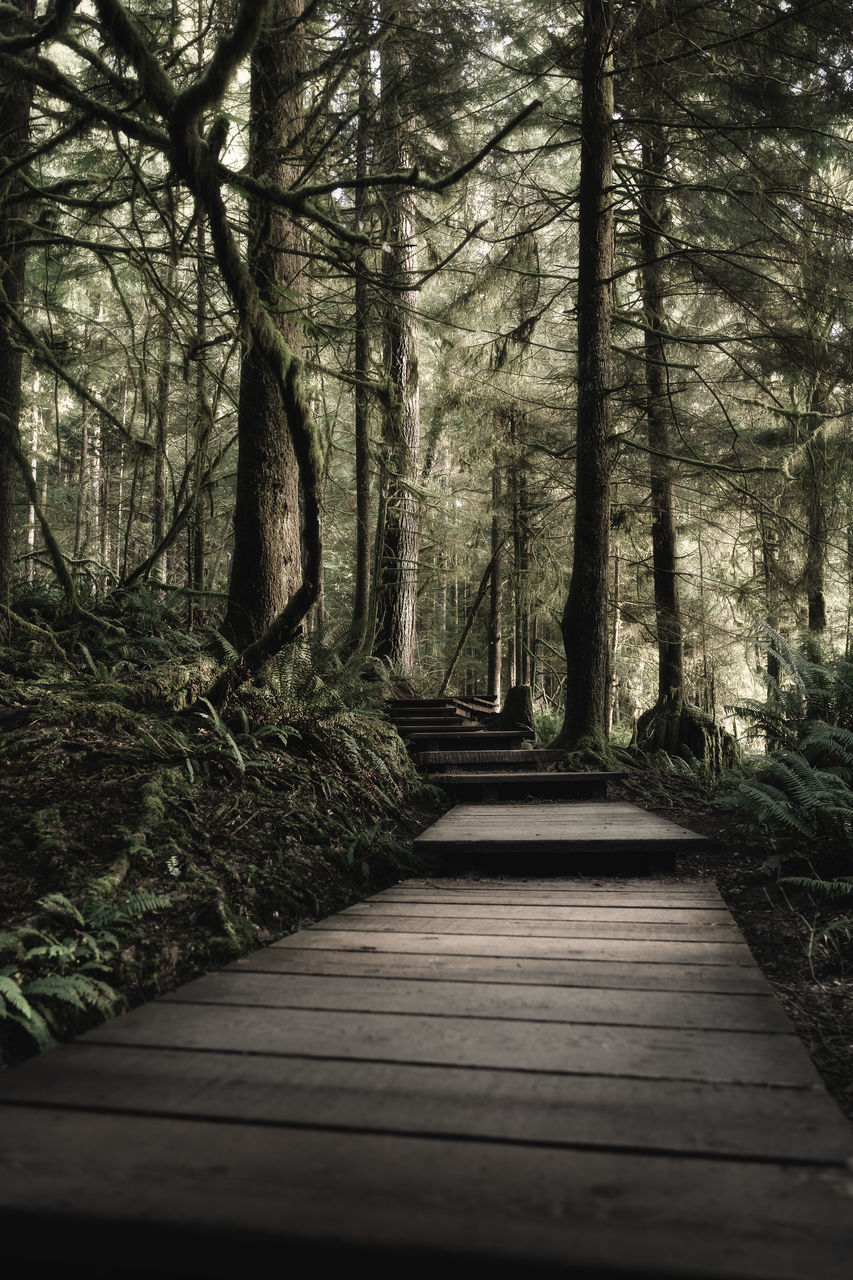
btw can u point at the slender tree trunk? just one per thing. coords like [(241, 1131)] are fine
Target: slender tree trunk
[(496, 591), (814, 498), (200, 435), (398, 585), (521, 551), (104, 499), (613, 679), (584, 623), (15, 102), (266, 563), (161, 419), (361, 590), (81, 523), (664, 557)]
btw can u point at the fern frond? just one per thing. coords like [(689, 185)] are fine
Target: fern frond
[(814, 884), (57, 904), (13, 996)]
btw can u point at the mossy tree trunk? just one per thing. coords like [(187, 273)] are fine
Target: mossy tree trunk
[(361, 586), (266, 564), (15, 102)]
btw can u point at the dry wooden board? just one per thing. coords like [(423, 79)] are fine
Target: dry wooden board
[(485, 924), (347, 956), (519, 757), (232, 1188), (326, 934), (566, 894), (608, 1112), (487, 1000), (583, 825), (660, 890), (654, 1053), (612, 913)]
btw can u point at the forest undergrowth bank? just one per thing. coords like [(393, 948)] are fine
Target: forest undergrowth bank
[(147, 838)]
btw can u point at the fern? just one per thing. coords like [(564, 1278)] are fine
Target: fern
[(802, 789), (51, 978)]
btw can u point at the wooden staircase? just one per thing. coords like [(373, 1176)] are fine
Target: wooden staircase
[(455, 745), (516, 811)]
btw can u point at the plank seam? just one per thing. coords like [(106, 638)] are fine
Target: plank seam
[(479, 1017), (625, 1149), (304, 1056), (478, 982)]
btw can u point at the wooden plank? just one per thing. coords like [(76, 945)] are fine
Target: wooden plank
[(636, 950), (570, 895), (605, 1112), (346, 954), (586, 822), (489, 787), (660, 889), (519, 758), (238, 1191), (487, 1000), (594, 906), (486, 924), (505, 1044), (611, 913)]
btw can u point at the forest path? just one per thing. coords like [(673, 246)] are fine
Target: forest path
[(517, 811), (573, 1077)]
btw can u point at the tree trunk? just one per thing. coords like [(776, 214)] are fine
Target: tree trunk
[(161, 418), (584, 623), (266, 565), (200, 436), (496, 592), (15, 102), (813, 488), (664, 558), (361, 587), (521, 552), (81, 524), (398, 585)]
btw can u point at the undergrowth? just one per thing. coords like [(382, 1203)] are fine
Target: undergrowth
[(796, 801), (121, 785)]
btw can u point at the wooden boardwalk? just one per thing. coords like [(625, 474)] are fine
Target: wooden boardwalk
[(563, 1077)]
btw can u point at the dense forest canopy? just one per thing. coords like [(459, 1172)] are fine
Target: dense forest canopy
[(421, 321)]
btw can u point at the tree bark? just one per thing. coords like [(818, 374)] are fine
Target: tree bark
[(15, 102), (496, 591), (523, 628), (398, 582), (361, 586), (664, 551), (813, 488), (584, 623), (266, 564)]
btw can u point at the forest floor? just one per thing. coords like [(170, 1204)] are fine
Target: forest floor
[(784, 924), (177, 842)]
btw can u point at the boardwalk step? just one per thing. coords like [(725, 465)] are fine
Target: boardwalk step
[(496, 787), (420, 704), (457, 725), (527, 758), (481, 739), (561, 838)]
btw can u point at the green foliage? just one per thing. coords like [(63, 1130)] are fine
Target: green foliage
[(61, 965), (799, 798)]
